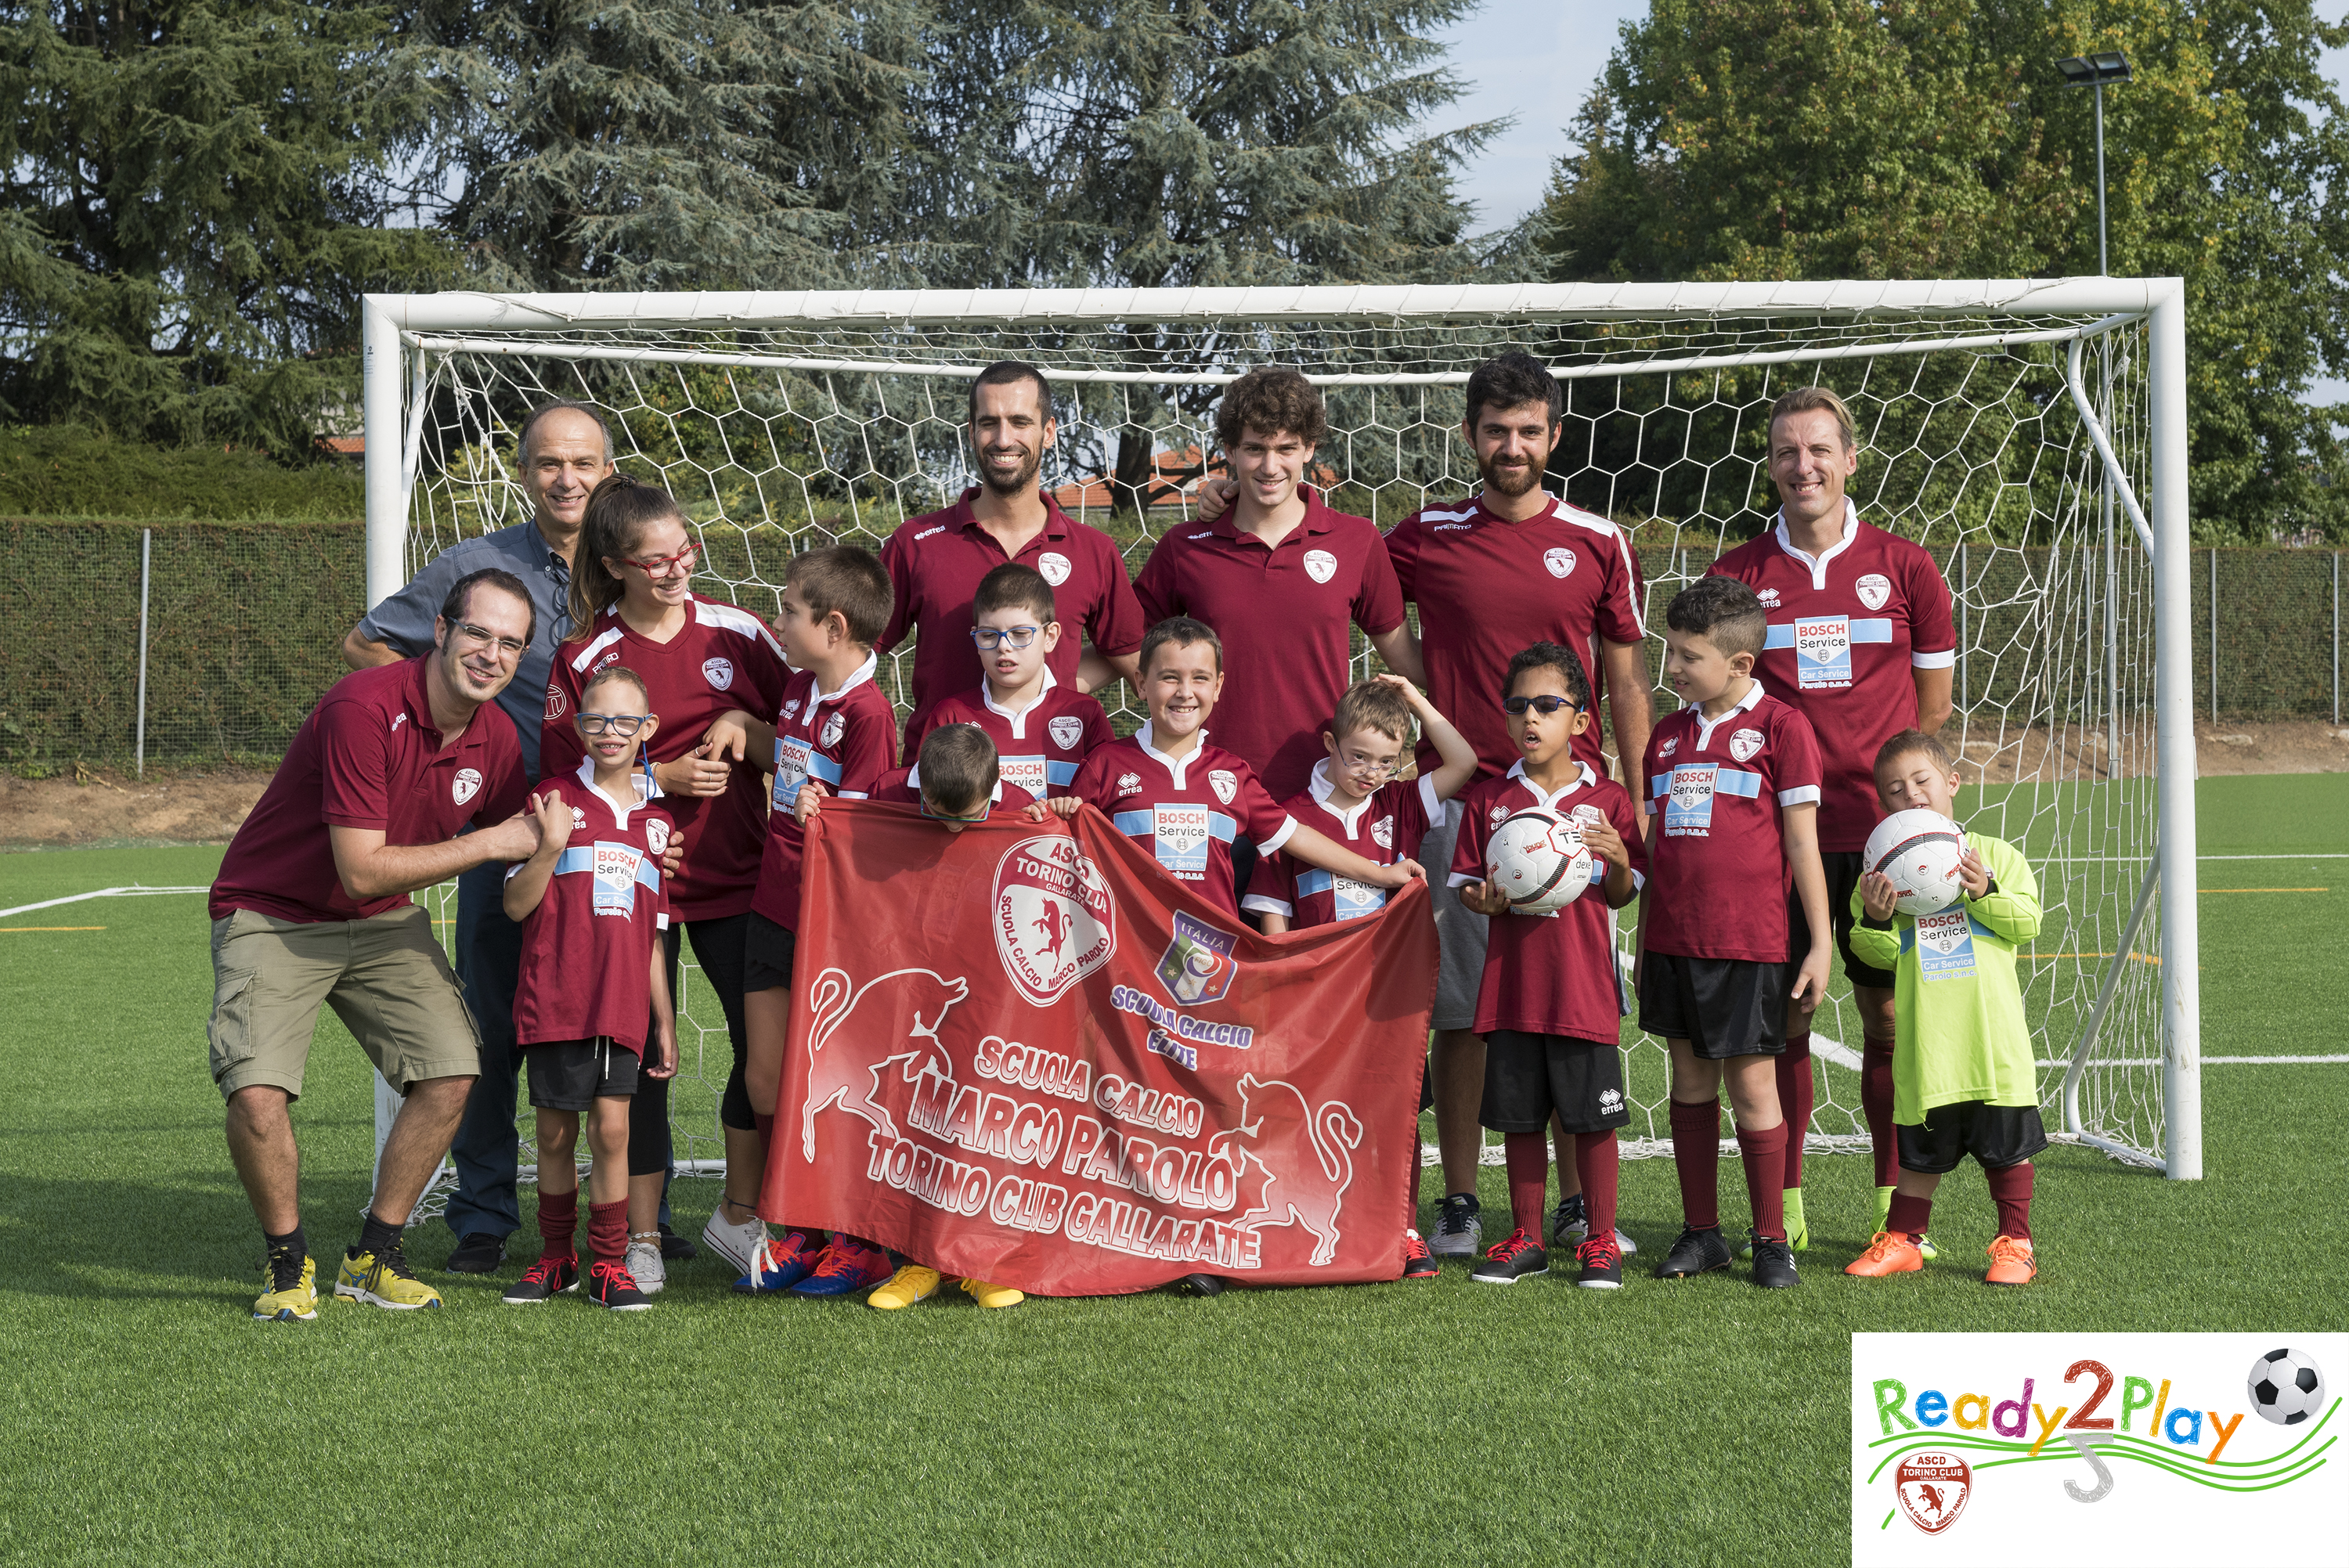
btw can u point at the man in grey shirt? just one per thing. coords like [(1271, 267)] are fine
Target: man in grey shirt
[(565, 452)]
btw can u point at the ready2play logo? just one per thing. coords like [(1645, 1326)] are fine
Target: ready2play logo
[(2204, 1441)]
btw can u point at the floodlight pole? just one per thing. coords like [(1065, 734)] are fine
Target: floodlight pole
[(2104, 268)]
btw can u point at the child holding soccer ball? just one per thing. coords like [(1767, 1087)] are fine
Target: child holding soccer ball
[(1963, 1079)]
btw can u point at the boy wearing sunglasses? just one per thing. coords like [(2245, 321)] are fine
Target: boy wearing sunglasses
[(592, 1006), (1549, 1004), (1041, 728)]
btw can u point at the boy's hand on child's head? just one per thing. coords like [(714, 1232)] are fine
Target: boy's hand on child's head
[(1973, 873), (1411, 693), (1811, 982), (808, 802), (1877, 896)]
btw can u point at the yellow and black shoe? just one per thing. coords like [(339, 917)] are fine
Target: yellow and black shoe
[(289, 1291), (383, 1279)]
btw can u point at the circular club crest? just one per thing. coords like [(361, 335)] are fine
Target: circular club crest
[(1875, 589), (1745, 744), (833, 727), (556, 703), (1560, 561), (1053, 567), (1933, 1489), (467, 784), (1320, 565), (1054, 922), (1382, 832), (1224, 783), (1066, 731), (656, 836), (719, 672)]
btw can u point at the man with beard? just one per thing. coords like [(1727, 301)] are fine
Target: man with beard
[(1501, 570), (935, 561)]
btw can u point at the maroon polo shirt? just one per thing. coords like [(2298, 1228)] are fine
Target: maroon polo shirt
[(935, 562), (1286, 615), (367, 757)]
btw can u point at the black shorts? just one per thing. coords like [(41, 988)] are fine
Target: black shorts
[(573, 1075), (1997, 1136), (766, 950), (1723, 1007), (1526, 1077), (1842, 867)]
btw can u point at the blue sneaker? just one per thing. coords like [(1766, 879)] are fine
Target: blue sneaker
[(778, 1265), (843, 1267)]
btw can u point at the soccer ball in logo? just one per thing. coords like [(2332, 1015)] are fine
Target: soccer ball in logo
[(2286, 1387)]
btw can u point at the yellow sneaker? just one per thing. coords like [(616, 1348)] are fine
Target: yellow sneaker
[(385, 1281), (987, 1294), (290, 1289), (907, 1285)]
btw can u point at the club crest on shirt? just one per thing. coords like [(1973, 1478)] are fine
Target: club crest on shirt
[(1769, 597), (656, 836), (1745, 743), (1066, 731), (1560, 561), (1874, 590), (1053, 567), (556, 701), (719, 672), (467, 784), (1382, 832), (1320, 565), (833, 727), (1224, 783), (1586, 813), (1129, 784)]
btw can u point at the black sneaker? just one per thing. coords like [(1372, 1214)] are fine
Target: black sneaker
[(1773, 1261), (676, 1249), (1567, 1222), (1198, 1285), (1458, 1229), (1602, 1265), (480, 1253), (543, 1281), (1418, 1263), (1697, 1252), (1508, 1262), (610, 1284)]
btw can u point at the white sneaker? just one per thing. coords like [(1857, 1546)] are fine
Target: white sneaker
[(645, 1264), (732, 1242), (1568, 1228), (1458, 1230)]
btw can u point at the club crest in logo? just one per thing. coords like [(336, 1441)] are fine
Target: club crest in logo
[(1224, 783), (1933, 1489), (1054, 922), (1053, 567), (1874, 590), (719, 672), (556, 703), (1129, 784), (1560, 561), (467, 784), (1197, 966), (1320, 565), (1745, 744), (832, 729), (1066, 732), (1382, 832), (656, 836)]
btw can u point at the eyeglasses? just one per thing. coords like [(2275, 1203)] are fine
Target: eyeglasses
[(662, 565), (624, 725), (1353, 762), (991, 637), (967, 820), (491, 639), (1541, 705)]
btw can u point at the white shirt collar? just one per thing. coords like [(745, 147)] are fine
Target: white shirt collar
[(1322, 789), (1017, 716), (1705, 727), (856, 678), (1177, 766), (1581, 780), (646, 790), (1818, 566)]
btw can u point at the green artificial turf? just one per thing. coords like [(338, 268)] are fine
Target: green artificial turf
[(152, 1420)]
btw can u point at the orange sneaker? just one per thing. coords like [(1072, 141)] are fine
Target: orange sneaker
[(2011, 1262), (1890, 1253)]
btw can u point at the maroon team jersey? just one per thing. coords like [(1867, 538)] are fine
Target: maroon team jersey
[(1286, 617), (1383, 829), (935, 562), (724, 658), (1718, 862), (1039, 748), (1549, 974), (845, 740), (1847, 631), (1487, 587), (367, 757), (1185, 810), (586, 949)]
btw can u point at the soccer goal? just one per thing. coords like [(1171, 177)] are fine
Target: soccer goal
[(2030, 435)]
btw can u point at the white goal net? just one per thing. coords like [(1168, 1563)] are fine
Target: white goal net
[(2014, 429)]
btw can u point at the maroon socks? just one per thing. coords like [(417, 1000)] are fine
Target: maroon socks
[(2010, 1189), (607, 1230), (1764, 1153), (1528, 1162), (1596, 1161), (1909, 1217), (558, 1224), (1696, 1155), (1875, 1104), (1796, 1089)]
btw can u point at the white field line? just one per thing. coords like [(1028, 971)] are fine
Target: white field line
[(2134, 861), (2211, 1062), (132, 892)]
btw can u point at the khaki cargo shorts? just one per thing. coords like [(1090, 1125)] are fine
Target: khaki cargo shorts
[(385, 977)]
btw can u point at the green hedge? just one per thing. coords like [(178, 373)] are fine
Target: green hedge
[(60, 470)]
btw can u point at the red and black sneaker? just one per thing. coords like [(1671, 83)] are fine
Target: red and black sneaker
[(1506, 1263), (545, 1279), (1602, 1264), (1418, 1263), (610, 1284)]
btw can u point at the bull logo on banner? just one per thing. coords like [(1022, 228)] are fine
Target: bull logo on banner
[(1054, 922), (1305, 1156), (903, 1007)]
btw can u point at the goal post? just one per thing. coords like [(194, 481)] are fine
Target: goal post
[(2031, 434)]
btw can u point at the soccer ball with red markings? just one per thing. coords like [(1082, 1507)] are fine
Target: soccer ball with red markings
[(2286, 1387), (1537, 860), (1918, 851)]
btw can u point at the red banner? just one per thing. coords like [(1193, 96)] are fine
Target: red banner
[(1026, 1054)]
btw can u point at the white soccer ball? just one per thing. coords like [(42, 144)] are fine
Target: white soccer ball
[(1537, 860), (2286, 1387), (1918, 851)]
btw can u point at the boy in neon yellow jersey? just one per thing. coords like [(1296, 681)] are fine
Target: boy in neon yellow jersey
[(1963, 1078)]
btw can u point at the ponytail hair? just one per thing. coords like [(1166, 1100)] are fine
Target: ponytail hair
[(620, 510)]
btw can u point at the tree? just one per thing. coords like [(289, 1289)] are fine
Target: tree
[(1813, 139)]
